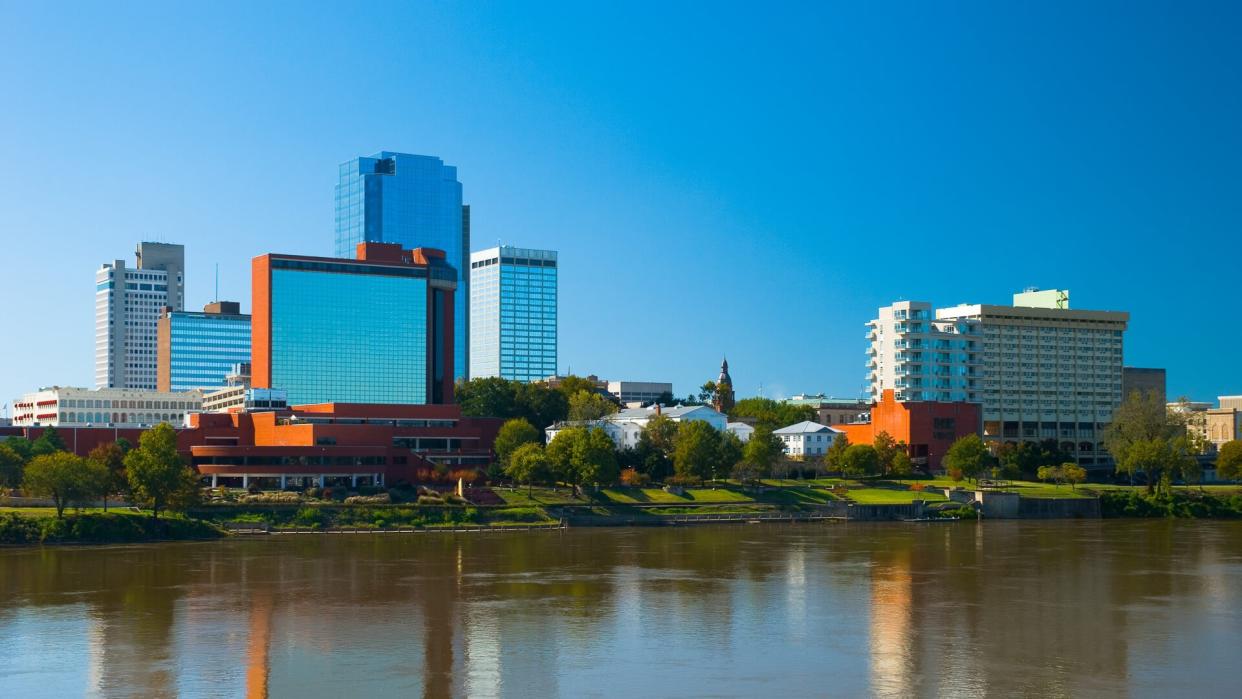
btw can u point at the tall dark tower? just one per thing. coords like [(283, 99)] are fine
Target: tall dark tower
[(723, 400)]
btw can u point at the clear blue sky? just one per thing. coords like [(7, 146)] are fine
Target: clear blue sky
[(748, 179)]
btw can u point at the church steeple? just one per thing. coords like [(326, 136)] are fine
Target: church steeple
[(723, 400)]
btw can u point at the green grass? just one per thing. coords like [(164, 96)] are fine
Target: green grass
[(798, 495), (892, 496), (642, 496), (538, 497)]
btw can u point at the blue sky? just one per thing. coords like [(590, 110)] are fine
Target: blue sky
[(751, 179)]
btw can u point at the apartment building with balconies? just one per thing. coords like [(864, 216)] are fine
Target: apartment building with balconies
[(1038, 369)]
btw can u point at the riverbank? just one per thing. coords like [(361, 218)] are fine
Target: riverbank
[(18, 527), (549, 508)]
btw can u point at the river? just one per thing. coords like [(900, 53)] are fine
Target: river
[(1067, 608)]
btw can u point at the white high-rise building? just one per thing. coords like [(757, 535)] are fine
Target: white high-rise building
[(513, 313), (128, 304), (1039, 369)]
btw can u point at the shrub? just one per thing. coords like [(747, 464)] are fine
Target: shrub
[(960, 513), (917, 487), (337, 493), (276, 498), (381, 499), (16, 529), (430, 500), (634, 479), (402, 493), (314, 493), (310, 517), (517, 514)]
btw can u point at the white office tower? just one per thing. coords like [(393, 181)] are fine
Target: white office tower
[(513, 313), (1039, 369), (128, 303)]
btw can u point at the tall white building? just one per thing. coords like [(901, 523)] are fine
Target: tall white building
[(513, 313), (1039, 369), (128, 304)]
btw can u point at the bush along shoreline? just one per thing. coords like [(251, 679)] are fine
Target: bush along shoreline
[(101, 528), (1180, 505)]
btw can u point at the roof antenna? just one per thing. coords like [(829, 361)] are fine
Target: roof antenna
[(217, 298)]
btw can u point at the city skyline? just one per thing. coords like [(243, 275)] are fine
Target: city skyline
[(1039, 170)]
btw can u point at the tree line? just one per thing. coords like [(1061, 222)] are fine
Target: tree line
[(152, 474)]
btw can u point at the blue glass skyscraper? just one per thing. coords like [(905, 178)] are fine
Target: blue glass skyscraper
[(413, 200)]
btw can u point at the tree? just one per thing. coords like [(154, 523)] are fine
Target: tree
[(541, 405), (158, 476), (497, 397), (560, 453), (513, 434), (22, 446), (48, 442), (707, 391), (748, 473), (1073, 473), (1229, 460), (579, 455), (969, 455), (697, 450), (902, 465), (859, 460), (65, 478), (589, 405), (528, 464), (571, 385), (771, 414), (1141, 438), (487, 397), (111, 458), (762, 451), (12, 464), (655, 447), (665, 398), (1051, 473), (595, 458), (885, 451), (834, 457), (728, 454)]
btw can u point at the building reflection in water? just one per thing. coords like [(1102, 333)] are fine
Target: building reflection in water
[(1047, 609)]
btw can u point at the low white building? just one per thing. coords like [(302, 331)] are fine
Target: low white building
[(807, 438), (639, 391), (741, 430), (60, 406), (626, 426)]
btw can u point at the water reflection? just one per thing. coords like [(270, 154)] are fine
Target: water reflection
[(1015, 608)]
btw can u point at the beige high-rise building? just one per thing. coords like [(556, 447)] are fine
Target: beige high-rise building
[(1039, 369)]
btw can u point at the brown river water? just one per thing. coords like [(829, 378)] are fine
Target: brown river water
[(1041, 609)]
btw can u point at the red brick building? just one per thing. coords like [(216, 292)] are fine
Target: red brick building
[(928, 428), (331, 443)]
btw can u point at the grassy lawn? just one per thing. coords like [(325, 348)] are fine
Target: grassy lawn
[(892, 496), (797, 495), (643, 496), (537, 497)]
